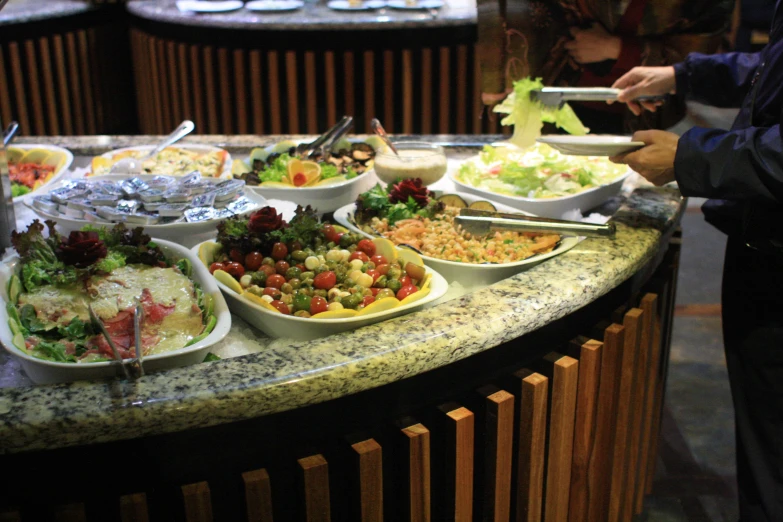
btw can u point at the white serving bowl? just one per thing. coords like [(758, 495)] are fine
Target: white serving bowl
[(275, 324), (551, 207), (324, 199), (42, 371), (186, 234), (469, 274), (57, 175), (224, 174)]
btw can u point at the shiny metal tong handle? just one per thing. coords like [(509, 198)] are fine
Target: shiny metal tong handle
[(185, 128), (9, 133), (517, 223), (305, 150), (138, 317), (96, 321), (334, 134), (589, 94)]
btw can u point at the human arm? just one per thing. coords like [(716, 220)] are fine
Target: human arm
[(720, 80)]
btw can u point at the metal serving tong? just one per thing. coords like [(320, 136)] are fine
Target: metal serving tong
[(137, 365), (9, 133), (557, 96), (327, 139), (482, 222)]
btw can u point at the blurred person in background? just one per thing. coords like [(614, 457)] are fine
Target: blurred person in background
[(741, 170), (591, 43)]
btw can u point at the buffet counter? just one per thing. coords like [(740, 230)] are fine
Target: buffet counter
[(409, 363)]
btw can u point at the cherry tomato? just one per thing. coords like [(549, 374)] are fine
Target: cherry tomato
[(359, 255), (368, 299), (406, 281), (281, 306), (318, 304), (374, 273), (405, 291), (279, 251), (375, 291), (415, 271), (366, 246), (216, 266), (281, 267), (275, 293), (268, 270), (235, 269), (236, 255), (294, 246), (325, 280), (382, 269), (378, 259), (275, 281), (253, 261), (301, 267), (331, 234)]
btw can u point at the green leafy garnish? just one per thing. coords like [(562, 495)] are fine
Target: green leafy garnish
[(304, 227), (52, 350), (18, 189), (276, 170), (211, 357), (328, 171), (112, 261), (29, 319)]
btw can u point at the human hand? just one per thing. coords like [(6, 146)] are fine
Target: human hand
[(593, 45), (654, 161), (645, 81)]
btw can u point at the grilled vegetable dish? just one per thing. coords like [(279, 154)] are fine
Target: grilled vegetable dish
[(58, 279)]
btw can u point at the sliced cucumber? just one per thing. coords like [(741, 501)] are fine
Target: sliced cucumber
[(14, 289), (341, 144), (483, 205), (258, 154), (185, 266), (452, 200), (208, 305), (14, 326), (18, 341), (281, 146), (12, 312)]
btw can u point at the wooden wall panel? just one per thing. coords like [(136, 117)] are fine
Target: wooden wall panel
[(419, 474), (369, 466), (198, 502), (498, 453), (133, 508), (314, 474), (258, 495), (460, 438), (531, 446)]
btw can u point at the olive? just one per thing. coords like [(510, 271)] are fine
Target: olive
[(385, 293), (305, 291), (287, 288), (295, 283), (331, 265), (302, 313), (320, 269), (348, 282), (293, 272), (299, 255), (380, 282), (302, 302), (268, 261), (358, 289), (366, 292), (318, 242), (307, 283), (258, 278), (369, 265), (320, 293), (352, 301), (330, 245), (306, 275), (321, 250), (393, 284), (395, 272), (347, 240)]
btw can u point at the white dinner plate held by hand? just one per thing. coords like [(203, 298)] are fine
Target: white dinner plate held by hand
[(596, 145), (274, 6), (203, 6)]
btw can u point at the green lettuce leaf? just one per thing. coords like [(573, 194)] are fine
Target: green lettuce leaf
[(276, 170), (113, 260)]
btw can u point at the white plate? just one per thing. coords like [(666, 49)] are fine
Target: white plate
[(301, 328), (271, 6), (46, 372), (549, 207), (57, 175), (591, 145), (186, 234), (196, 6), (470, 274), (344, 5), (419, 4), (225, 174)]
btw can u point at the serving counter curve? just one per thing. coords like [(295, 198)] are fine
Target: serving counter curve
[(538, 394)]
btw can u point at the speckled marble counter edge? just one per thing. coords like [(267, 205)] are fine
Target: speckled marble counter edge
[(295, 374), (26, 12)]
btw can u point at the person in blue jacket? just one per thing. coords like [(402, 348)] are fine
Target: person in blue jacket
[(741, 170)]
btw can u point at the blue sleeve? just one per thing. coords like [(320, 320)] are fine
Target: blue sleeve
[(745, 164), (721, 80)]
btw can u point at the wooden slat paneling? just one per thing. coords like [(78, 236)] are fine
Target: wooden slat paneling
[(370, 469), (210, 91), (460, 428), (445, 81), (198, 502), (498, 453), (225, 90), (133, 508), (589, 352), (258, 495), (257, 91), (419, 486), (389, 93), (311, 102), (175, 83), (86, 75), (70, 513), (330, 80), (531, 447), (657, 384), (407, 91), (565, 374), (314, 472), (6, 113), (426, 90), (154, 80), (182, 64), (349, 85), (462, 88), (10, 516), (240, 92), (633, 330), (599, 474), (49, 89), (369, 88), (18, 79), (273, 77), (291, 84), (62, 83), (165, 105), (652, 321)]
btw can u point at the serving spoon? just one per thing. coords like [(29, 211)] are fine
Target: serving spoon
[(132, 166), (378, 129)]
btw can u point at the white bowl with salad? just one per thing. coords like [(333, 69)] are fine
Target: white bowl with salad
[(32, 167), (540, 179), (336, 181), (49, 283)]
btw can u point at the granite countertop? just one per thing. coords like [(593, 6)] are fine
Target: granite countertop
[(23, 11), (313, 16), (283, 374)]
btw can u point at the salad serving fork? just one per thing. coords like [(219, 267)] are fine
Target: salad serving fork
[(482, 222), (138, 364)]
